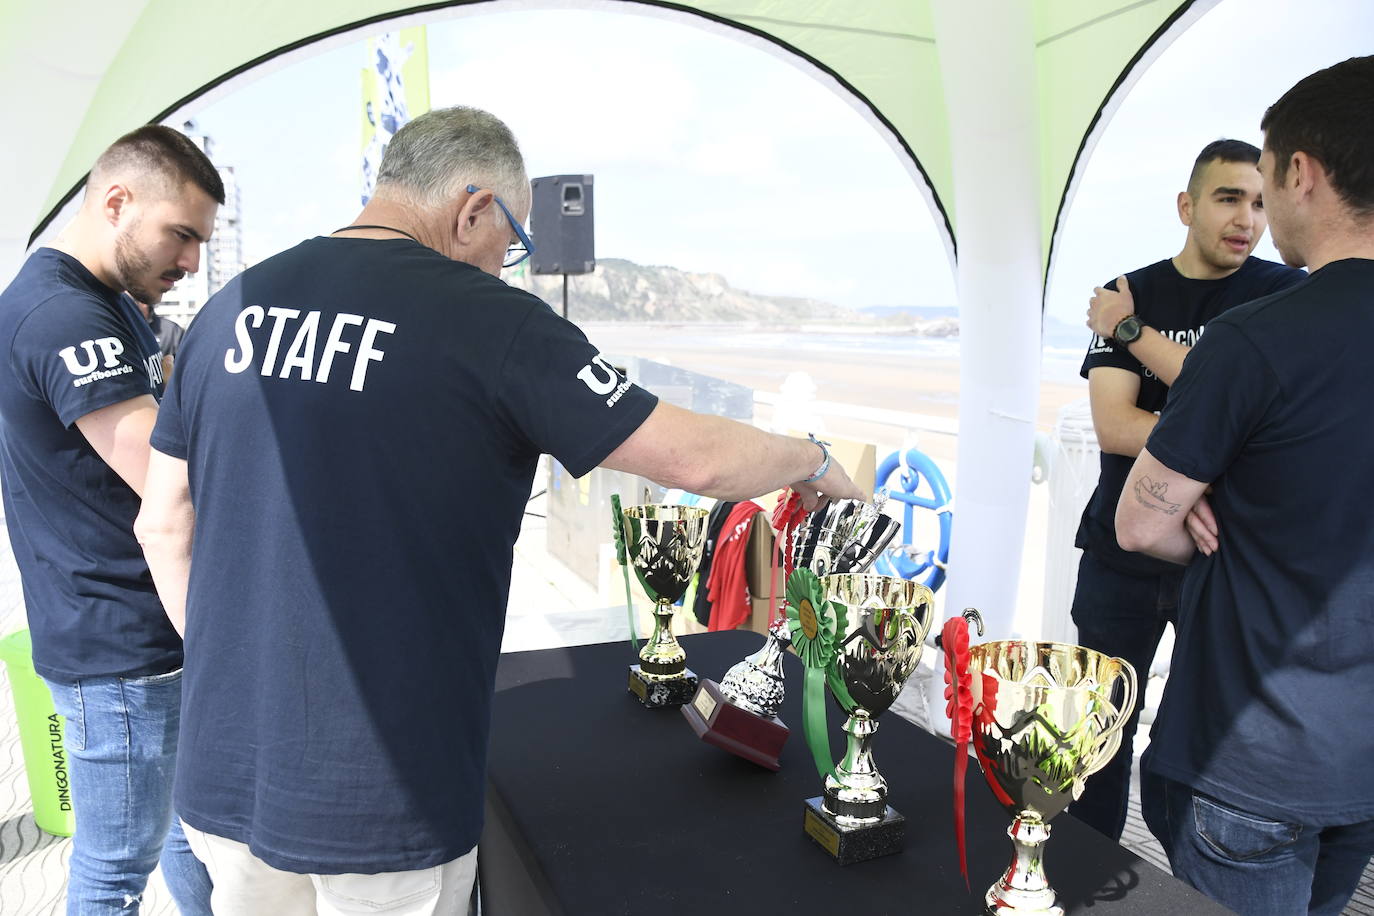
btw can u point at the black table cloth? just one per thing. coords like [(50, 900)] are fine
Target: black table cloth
[(597, 805)]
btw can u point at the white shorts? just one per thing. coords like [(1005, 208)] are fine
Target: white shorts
[(247, 886)]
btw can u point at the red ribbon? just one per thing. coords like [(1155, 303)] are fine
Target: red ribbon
[(787, 515), (959, 709)]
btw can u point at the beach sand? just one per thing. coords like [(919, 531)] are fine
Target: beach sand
[(914, 383)]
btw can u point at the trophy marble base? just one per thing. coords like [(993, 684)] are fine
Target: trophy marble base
[(758, 739), (848, 845), (657, 694)]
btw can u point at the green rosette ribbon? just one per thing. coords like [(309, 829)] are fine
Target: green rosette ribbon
[(618, 524), (815, 625), (832, 674)]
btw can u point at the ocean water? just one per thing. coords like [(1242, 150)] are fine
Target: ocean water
[(1062, 353), (1062, 364)]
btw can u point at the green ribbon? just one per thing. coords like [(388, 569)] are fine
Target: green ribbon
[(814, 624), (814, 722), (832, 673), (618, 523)]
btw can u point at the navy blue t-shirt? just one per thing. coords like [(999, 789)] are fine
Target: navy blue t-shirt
[(72, 346), (362, 421), (1267, 705), (1179, 308)]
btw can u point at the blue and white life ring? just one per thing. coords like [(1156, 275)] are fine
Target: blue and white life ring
[(920, 486)]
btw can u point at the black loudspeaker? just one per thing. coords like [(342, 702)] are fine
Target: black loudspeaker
[(561, 225)]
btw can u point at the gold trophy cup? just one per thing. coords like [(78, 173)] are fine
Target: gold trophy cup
[(1043, 722), (664, 544), (878, 646)]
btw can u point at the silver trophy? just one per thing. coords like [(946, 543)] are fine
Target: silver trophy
[(755, 684), (740, 713), (846, 536)]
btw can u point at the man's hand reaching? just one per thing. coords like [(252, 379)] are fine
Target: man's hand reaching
[(834, 485)]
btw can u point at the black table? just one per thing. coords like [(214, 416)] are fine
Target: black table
[(597, 805)]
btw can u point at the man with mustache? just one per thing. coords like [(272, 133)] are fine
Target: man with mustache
[(79, 392), (1145, 323)]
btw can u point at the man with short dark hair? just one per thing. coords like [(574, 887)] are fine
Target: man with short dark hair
[(349, 441), (1258, 779), (81, 377), (1145, 323)]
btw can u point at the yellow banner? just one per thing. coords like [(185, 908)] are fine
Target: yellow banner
[(395, 86)]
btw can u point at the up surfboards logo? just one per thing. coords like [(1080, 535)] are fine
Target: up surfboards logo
[(86, 362), (83, 360), (600, 376)]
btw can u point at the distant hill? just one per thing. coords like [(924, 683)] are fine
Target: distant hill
[(620, 290)]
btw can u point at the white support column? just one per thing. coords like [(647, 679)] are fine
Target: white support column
[(990, 94), (11, 259)]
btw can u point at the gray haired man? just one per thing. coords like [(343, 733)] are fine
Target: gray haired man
[(348, 443)]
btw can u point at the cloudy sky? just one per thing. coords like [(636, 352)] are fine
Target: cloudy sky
[(711, 154)]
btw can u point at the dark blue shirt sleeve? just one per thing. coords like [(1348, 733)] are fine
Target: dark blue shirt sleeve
[(564, 396), (169, 433), (1215, 406), (77, 355)]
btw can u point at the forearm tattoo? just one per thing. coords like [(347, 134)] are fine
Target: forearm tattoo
[(1150, 494)]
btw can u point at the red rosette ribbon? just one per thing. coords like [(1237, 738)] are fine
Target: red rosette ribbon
[(959, 709), (787, 515)]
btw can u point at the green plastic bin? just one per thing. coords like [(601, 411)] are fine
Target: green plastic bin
[(40, 738)]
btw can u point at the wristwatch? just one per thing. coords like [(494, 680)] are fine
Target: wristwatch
[(1127, 330)]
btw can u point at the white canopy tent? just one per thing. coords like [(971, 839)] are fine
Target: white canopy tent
[(995, 104)]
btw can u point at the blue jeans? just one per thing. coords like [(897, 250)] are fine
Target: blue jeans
[(121, 740), (1252, 864), (1123, 616)]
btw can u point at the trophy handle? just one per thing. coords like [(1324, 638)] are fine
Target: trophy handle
[(1111, 735)]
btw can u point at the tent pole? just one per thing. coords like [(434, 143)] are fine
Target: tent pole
[(990, 94)]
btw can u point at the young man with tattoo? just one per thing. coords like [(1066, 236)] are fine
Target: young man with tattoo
[(1258, 781), (1145, 322)]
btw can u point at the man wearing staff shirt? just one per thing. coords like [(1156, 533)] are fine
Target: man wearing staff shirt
[(348, 441)]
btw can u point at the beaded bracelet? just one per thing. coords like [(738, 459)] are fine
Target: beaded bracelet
[(825, 464)]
